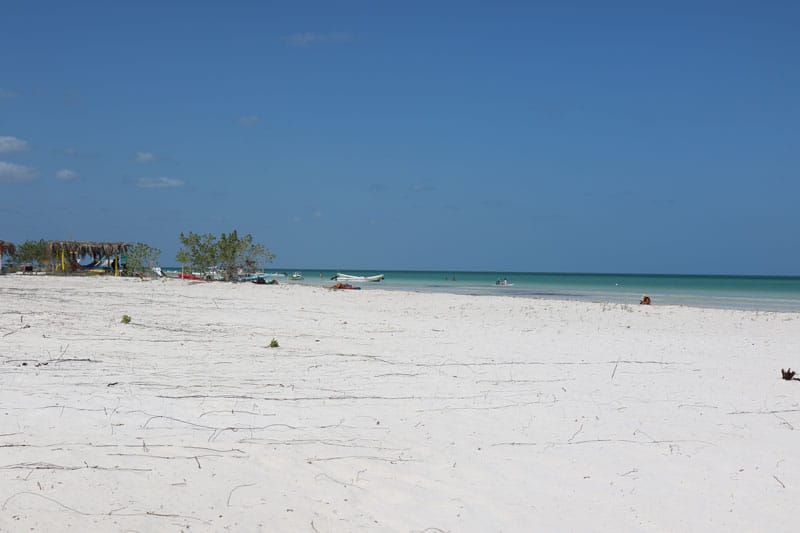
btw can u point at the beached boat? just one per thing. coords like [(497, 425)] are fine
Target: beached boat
[(297, 276), (263, 281), (357, 279), (172, 274), (254, 276), (193, 277), (178, 275), (197, 276), (212, 275)]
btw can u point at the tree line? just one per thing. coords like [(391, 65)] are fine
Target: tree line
[(227, 254)]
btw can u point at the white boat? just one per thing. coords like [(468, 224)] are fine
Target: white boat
[(252, 277), (170, 274), (256, 275), (297, 276), (211, 275), (357, 279)]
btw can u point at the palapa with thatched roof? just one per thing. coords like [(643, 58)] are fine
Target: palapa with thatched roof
[(84, 248), (60, 250), (6, 248)]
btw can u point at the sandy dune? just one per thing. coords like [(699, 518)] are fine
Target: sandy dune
[(388, 411)]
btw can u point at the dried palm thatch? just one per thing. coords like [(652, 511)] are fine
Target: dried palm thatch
[(7, 248), (69, 252), (84, 248)]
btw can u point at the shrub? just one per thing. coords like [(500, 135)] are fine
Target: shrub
[(227, 254), (126, 319), (141, 258), (274, 343)]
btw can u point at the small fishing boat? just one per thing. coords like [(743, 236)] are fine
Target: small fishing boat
[(193, 277), (172, 274), (503, 283), (297, 276), (357, 279), (253, 277)]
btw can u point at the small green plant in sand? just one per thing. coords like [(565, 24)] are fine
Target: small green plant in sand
[(274, 343), (126, 319)]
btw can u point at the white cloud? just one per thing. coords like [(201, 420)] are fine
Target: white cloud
[(297, 219), (12, 144), (318, 214), (66, 175), (5, 93), (145, 157), (158, 183), (13, 173), (249, 120), (308, 38), (70, 151)]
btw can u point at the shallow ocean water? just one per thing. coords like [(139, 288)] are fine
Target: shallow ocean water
[(763, 293)]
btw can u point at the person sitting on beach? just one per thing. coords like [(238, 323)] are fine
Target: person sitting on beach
[(645, 300)]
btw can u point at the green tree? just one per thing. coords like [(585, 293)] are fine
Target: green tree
[(229, 254), (32, 252), (141, 258), (255, 256), (234, 253), (199, 252)]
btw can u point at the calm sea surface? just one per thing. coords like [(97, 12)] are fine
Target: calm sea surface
[(764, 293)]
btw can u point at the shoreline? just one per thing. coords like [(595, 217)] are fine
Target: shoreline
[(387, 410), (753, 293), (764, 293), (701, 299)]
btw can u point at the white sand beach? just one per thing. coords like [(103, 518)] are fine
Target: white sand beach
[(388, 411)]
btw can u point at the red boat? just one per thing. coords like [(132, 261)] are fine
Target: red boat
[(191, 277)]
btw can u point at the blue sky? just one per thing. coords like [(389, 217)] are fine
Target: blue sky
[(659, 137)]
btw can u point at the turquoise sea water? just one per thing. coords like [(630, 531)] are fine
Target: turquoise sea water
[(738, 292), (765, 293), (762, 293)]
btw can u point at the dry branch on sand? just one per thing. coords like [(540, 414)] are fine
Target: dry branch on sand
[(788, 375)]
